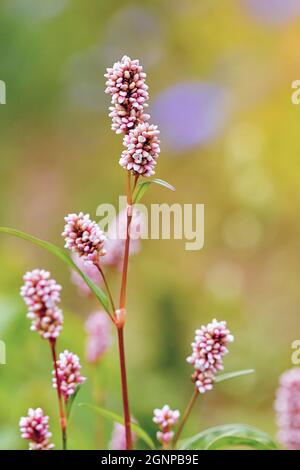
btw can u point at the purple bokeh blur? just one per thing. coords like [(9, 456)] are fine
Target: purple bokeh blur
[(273, 12), (190, 114)]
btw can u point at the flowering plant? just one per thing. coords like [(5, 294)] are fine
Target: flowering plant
[(91, 252)]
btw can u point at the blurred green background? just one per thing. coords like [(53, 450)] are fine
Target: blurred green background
[(220, 75)]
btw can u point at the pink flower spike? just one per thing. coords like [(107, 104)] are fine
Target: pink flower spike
[(68, 369), (84, 237), (166, 419), (208, 349), (126, 118), (142, 150), (126, 85), (41, 294), (35, 428), (204, 381), (99, 336), (287, 406)]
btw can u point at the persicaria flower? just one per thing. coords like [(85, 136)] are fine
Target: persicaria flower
[(68, 370), (126, 85), (166, 420), (142, 150), (41, 294), (287, 406), (99, 336), (203, 380), (208, 349), (126, 118), (35, 428), (84, 237), (118, 438)]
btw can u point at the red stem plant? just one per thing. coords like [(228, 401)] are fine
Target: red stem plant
[(129, 95)]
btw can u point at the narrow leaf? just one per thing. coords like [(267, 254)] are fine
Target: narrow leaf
[(110, 415), (163, 183), (142, 188), (62, 255), (140, 191), (235, 441), (233, 375), (71, 400), (229, 435)]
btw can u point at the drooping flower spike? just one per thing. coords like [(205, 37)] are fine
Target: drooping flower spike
[(287, 406), (84, 237), (41, 294), (208, 349), (126, 85), (35, 428), (166, 420), (68, 371)]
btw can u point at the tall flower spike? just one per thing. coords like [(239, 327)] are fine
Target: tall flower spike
[(84, 237), (208, 349), (287, 406), (126, 85), (68, 370), (142, 150), (35, 428), (166, 420), (41, 294), (99, 337)]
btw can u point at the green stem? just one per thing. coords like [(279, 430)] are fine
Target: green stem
[(185, 416)]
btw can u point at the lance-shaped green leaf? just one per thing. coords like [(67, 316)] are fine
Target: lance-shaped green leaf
[(233, 375), (62, 255), (229, 435), (111, 416), (142, 188)]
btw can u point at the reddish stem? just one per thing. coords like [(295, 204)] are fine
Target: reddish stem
[(127, 245), (122, 305), (63, 420), (126, 411)]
